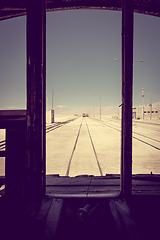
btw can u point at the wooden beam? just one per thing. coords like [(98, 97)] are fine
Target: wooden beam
[(124, 220), (36, 98), (127, 82), (15, 161), (53, 218), (2, 153), (16, 8)]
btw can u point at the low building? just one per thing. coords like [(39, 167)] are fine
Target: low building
[(146, 112), (49, 116)]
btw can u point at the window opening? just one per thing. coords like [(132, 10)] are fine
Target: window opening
[(84, 88), (146, 96), (2, 160), (93, 108), (13, 80)]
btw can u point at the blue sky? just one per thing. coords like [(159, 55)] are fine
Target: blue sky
[(81, 48)]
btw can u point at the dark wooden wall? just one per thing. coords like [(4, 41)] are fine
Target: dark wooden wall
[(36, 98), (35, 161)]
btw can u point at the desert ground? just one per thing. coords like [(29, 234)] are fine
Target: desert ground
[(105, 147), (77, 145)]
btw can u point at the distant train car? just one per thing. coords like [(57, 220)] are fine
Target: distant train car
[(85, 115)]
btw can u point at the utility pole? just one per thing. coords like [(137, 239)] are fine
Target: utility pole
[(143, 96), (151, 109), (142, 103), (93, 110), (52, 98), (100, 102)]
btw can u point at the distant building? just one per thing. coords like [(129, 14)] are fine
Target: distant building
[(146, 112), (49, 116)]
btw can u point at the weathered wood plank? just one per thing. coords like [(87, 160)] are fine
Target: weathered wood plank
[(12, 118), (98, 186), (66, 190), (115, 215), (12, 113), (95, 181), (53, 218), (36, 102), (44, 209), (15, 161), (146, 188), (35, 218), (146, 193), (2, 153), (124, 220), (144, 183), (81, 181), (51, 180), (127, 87)]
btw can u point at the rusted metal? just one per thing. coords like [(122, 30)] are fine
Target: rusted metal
[(127, 82), (36, 98)]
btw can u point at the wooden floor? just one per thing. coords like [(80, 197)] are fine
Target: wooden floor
[(106, 186), (85, 207)]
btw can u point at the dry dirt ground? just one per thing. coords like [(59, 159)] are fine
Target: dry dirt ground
[(106, 138), (97, 148)]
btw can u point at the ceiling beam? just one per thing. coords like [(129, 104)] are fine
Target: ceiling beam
[(16, 8)]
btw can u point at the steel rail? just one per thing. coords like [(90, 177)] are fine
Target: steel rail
[(151, 145), (140, 134), (74, 148), (58, 125), (94, 150)]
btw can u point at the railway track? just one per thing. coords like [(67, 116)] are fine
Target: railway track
[(147, 140), (110, 125), (139, 137), (56, 125), (76, 142), (49, 128)]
